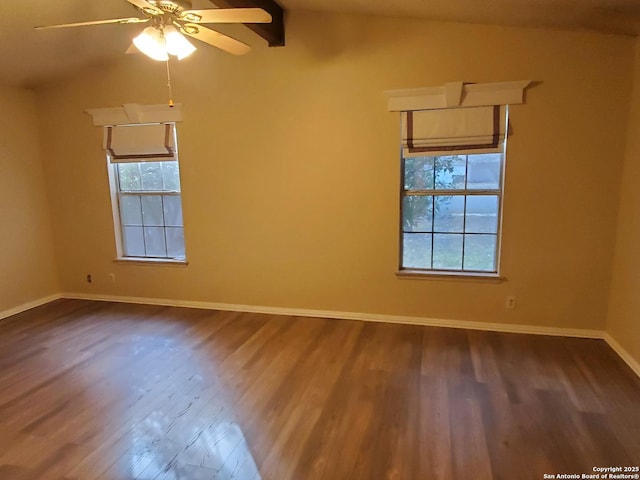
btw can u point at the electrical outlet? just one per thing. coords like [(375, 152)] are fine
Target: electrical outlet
[(112, 277), (89, 279), (510, 304)]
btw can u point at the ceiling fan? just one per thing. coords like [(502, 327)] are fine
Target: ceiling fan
[(172, 19)]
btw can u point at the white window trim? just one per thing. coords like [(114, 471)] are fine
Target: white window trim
[(117, 224), (413, 272)]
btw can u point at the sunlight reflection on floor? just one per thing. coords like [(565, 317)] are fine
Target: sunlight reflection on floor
[(194, 435)]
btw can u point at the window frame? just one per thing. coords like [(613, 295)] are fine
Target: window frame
[(117, 193), (459, 192)]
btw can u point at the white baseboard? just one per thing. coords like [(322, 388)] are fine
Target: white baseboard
[(626, 356), (29, 305), (370, 317)]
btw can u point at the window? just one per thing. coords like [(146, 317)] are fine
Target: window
[(453, 140), (146, 193), (451, 208)]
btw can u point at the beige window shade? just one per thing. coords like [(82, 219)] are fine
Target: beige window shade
[(445, 131), (138, 143)]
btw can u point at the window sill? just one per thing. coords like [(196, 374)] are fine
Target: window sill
[(433, 275), (151, 261)]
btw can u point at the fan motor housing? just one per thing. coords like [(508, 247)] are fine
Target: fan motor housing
[(171, 6)]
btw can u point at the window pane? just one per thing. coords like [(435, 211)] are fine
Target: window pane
[(130, 210), (129, 176), (172, 210), (447, 252), (480, 252), (418, 173), (417, 213), (151, 175), (449, 216), (133, 241), (175, 242), (484, 171), (450, 171), (416, 250), (482, 214), (171, 176), (152, 210), (154, 241)]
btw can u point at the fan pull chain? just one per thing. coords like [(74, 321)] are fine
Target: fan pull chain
[(169, 86)]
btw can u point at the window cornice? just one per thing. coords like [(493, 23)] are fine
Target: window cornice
[(132, 113), (457, 94)]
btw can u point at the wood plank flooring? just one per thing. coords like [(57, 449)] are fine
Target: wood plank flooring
[(96, 390)]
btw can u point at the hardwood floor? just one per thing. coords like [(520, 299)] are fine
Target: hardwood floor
[(94, 390)]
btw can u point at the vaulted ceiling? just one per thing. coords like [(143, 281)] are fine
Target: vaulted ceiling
[(29, 57)]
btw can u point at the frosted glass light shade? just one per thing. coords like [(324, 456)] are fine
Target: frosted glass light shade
[(177, 44), (152, 44)]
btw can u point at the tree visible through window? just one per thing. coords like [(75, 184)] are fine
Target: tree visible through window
[(451, 209)]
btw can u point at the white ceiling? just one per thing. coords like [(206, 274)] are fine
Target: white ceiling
[(29, 57)]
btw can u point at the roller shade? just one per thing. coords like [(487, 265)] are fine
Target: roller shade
[(138, 143), (445, 131)]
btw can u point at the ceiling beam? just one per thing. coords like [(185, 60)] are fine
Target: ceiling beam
[(272, 32)]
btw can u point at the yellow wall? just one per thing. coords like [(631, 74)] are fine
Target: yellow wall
[(26, 246), (290, 169), (624, 308)]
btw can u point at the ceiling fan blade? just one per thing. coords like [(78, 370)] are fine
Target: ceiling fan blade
[(226, 15), (146, 7), (96, 22), (216, 39)]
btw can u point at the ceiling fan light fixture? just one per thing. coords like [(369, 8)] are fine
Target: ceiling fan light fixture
[(152, 44), (177, 44)]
